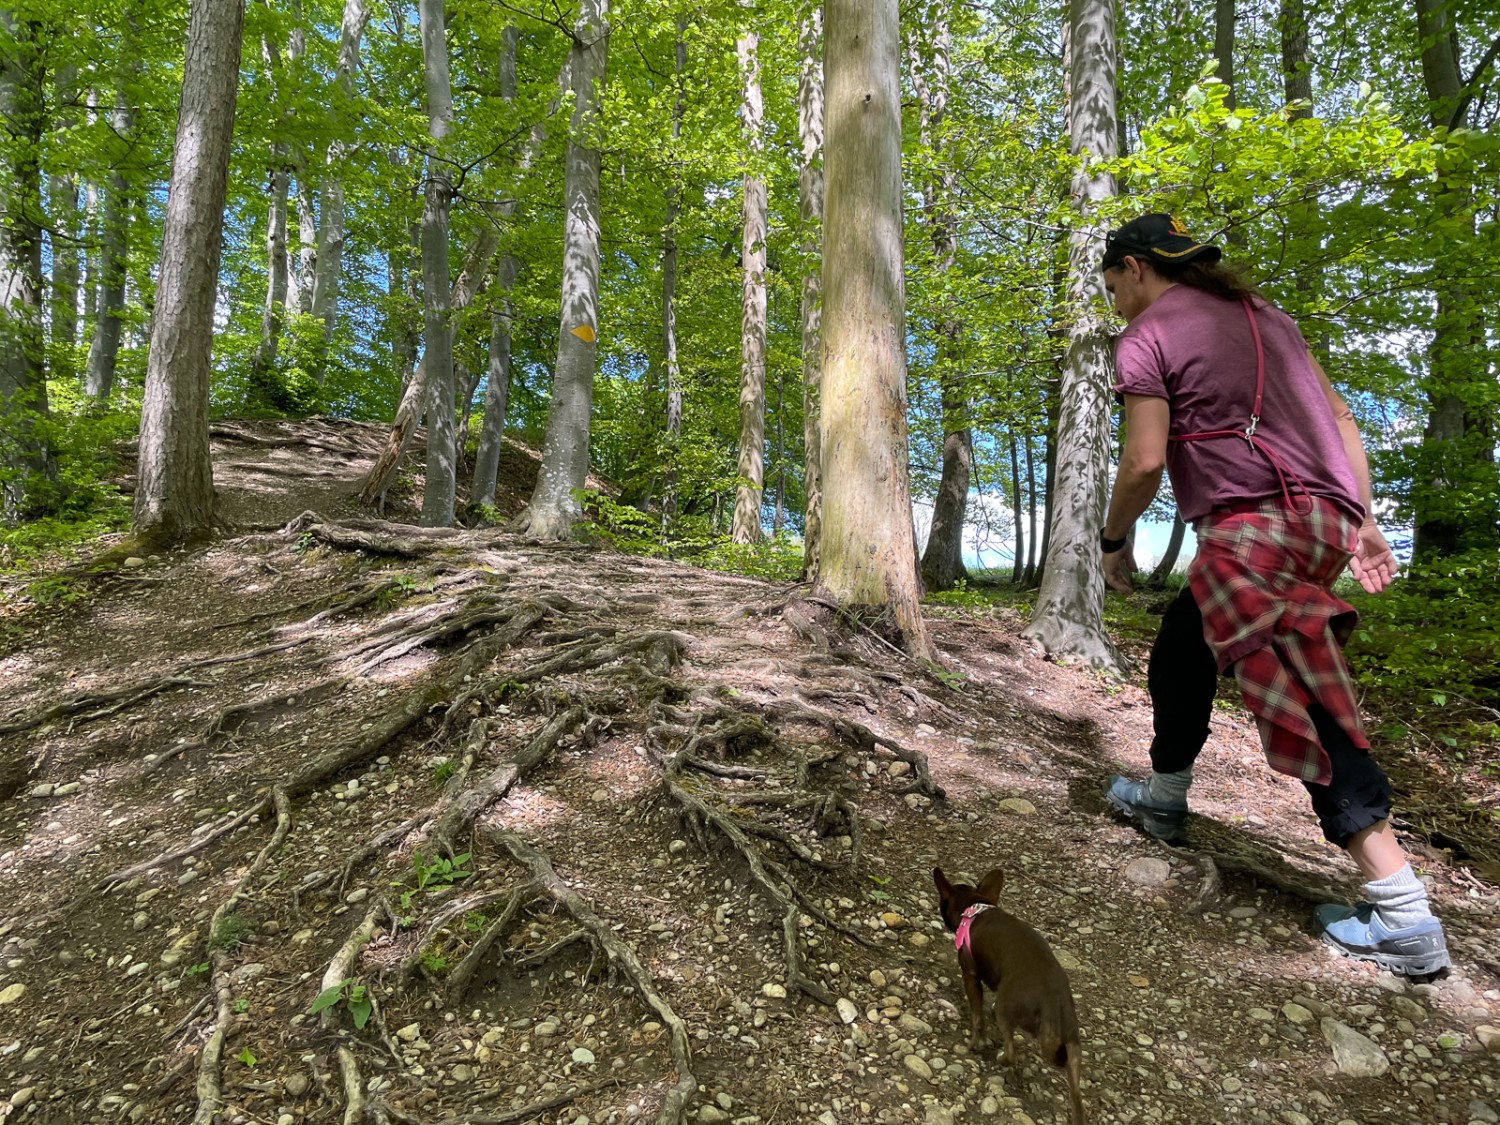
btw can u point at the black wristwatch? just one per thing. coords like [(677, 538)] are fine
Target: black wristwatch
[(1110, 546)]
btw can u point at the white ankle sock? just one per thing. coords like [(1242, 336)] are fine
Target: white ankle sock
[(1169, 788), (1400, 899)]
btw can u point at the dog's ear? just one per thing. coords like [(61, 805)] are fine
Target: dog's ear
[(991, 886), (944, 888)]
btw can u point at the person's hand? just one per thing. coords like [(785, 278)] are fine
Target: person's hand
[(1118, 567), (1373, 564)]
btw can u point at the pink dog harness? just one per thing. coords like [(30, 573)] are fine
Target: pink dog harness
[(961, 940)]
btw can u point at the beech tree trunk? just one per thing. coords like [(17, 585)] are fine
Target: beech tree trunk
[(554, 506), (497, 390), (752, 467), (114, 246), (1019, 568), (437, 339), (1068, 620), (328, 262), (1169, 557), (25, 462), (669, 305), (1031, 542), (175, 493), (62, 210), (868, 563), (1454, 488), (943, 560), (471, 276), (810, 215)]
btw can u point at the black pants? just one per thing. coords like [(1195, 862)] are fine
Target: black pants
[(1183, 678)]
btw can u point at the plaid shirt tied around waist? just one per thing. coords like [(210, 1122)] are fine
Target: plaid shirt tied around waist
[(1262, 578)]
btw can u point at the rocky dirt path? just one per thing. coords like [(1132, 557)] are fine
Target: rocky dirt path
[(564, 835)]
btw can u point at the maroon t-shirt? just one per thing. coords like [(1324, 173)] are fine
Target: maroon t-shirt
[(1195, 350)]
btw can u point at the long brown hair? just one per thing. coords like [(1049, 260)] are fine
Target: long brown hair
[(1218, 278)]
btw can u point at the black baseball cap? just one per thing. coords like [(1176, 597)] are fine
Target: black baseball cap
[(1156, 238)]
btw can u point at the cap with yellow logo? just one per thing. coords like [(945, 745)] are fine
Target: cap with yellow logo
[(1156, 237)]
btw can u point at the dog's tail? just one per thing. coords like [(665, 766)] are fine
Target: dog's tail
[(1072, 1053)]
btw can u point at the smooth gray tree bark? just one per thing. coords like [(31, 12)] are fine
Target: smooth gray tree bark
[(810, 215), (114, 247), (868, 561), (555, 506), (752, 435), (174, 497), (669, 302), (441, 484), (62, 214), (943, 559), (1068, 619)]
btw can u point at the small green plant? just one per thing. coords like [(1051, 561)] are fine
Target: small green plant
[(230, 933), (443, 771), (305, 542), (952, 680), (441, 872), (475, 921), (880, 894), (241, 1006), (247, 1057), (352, 995), (434, 962), (196, 970)]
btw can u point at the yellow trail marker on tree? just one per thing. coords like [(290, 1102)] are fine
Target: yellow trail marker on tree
[(585, 333)]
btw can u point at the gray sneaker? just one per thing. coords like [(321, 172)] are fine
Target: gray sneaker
[(1163, 821), (1359, 933)]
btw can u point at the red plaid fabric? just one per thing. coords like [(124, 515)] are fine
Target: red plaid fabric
[(1262, 577)]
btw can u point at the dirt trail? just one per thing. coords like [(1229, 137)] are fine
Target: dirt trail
[(582, 837)]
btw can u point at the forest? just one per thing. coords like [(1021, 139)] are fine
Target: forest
[(464, 464)]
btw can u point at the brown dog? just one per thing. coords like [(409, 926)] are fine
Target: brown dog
[(1031, 990)]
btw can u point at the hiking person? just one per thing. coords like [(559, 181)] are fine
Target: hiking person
[(1266, 462)]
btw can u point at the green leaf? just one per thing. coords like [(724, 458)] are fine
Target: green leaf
[(247, 1057), (360, 1010), (327, 998)]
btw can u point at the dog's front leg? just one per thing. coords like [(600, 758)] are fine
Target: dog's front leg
[(974, 990)]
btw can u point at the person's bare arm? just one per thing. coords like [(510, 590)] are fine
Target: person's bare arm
[(1373, 564), (1145, 454)]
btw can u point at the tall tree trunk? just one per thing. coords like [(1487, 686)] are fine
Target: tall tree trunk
[(554, 506), (1031, 542), (62, 207), (471, 278), (114, 246), (943, 560), (1068, 620), (267, 392), (175, 493), (1454, 488), (1224, 47), (1016, 511), (437, 338), (1169, 557), (810, 216), (1296, 73), (307, 238), (867, 558), (497, 391), (25, 462), (752, 467), (669, 303), (328, 262)]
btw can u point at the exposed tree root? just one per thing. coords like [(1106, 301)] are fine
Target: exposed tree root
[(862, 737), (209, 1085), (660, 652), (107, 702), (463, 973), (461, 814), (513, 1117), (621, 956)]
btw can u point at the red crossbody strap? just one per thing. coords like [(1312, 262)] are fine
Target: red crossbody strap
[(1248, 433)]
